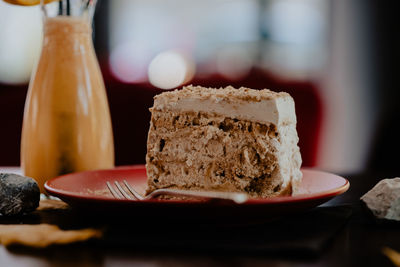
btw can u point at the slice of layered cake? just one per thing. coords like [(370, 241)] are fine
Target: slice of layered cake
[(238, 140)]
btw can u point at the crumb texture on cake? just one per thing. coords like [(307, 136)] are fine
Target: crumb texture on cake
[(205, 139)]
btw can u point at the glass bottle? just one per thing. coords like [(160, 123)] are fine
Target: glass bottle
[(67, 125)]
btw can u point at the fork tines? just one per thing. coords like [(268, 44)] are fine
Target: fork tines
[(123, 192)]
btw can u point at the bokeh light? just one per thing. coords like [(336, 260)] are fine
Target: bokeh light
[(127, 62), (171, 69)]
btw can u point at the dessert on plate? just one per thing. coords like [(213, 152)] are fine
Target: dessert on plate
[(227, 139)]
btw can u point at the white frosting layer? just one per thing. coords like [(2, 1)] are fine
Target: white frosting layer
[(263, 106), (290, 157)]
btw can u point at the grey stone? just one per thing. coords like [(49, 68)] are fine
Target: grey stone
[(18, 194), (384, 199)]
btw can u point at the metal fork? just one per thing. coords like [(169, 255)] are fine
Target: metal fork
[(132, 194)]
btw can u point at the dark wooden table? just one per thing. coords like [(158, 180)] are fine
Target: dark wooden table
[(358, 242)]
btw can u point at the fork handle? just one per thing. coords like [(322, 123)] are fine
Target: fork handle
[(235, 197)]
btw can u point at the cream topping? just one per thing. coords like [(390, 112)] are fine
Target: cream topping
[(263, 106)]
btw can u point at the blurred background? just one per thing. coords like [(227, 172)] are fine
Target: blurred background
[(336, 58)]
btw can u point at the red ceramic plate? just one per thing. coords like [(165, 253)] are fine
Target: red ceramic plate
[(88, 190)]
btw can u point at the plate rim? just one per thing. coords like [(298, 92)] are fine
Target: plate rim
[(327, 194)]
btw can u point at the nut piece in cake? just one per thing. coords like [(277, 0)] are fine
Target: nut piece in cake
[(238, 140)]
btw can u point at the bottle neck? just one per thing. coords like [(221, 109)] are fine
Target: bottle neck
[(66, 33), (65, 25)]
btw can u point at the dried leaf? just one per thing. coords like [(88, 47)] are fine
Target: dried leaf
[(43, 235)]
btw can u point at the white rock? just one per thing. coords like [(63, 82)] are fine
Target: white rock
[(384, 199)]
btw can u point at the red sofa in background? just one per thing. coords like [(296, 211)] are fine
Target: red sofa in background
[(129, 104)]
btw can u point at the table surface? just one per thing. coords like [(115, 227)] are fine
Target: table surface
[(358, 243)]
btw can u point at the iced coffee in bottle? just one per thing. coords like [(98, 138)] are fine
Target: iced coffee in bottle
[(67, 125)]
